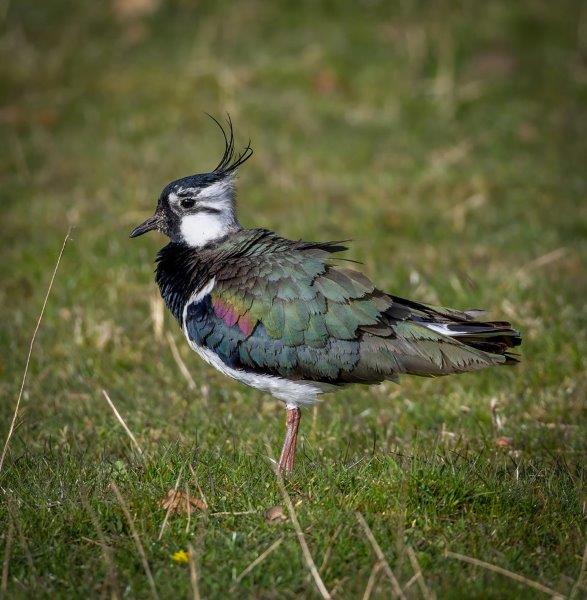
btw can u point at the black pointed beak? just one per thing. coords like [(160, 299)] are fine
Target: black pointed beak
[(150, 224)]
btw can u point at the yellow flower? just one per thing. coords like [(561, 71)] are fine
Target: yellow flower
[(180, 557)]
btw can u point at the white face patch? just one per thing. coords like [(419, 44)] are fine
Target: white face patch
[(201, 228)]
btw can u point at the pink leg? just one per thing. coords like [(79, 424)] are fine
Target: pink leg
[(288, 454)]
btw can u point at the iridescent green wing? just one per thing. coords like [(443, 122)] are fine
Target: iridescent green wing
[(282, 308)]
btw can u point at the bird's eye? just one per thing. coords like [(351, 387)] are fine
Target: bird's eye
[(187, 202)]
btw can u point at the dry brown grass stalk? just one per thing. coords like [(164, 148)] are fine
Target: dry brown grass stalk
[(426, 593), (180, 364), (193, 573), (257, 561), (328, 551), (515, 576), (6, 561), (157, 316), (202, 496), (136, 539), (395, 586), (543, 260), (30, 351), (579, 583), (301, 538), (122, 422), (372, 580)]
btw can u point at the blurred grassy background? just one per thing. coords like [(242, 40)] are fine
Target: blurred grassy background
[(447, 139)]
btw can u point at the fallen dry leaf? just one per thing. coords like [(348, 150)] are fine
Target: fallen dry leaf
[(503, 442), (275, 514), (325, 81), (178, 501)]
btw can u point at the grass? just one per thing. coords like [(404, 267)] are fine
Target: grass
[(448, 140)]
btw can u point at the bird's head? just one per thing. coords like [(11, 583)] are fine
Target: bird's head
[(199, 209)]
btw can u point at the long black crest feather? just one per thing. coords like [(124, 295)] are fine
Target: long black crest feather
[(231, 160)]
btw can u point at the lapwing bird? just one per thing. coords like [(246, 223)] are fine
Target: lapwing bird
[(285, 316)]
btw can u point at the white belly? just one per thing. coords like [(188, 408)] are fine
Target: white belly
[(293, 393)]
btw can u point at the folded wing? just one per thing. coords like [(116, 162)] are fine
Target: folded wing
[(280, 307)]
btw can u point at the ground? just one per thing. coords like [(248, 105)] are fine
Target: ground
[(447, 140)]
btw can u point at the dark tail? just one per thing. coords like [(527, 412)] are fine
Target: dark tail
[(495, 337)]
